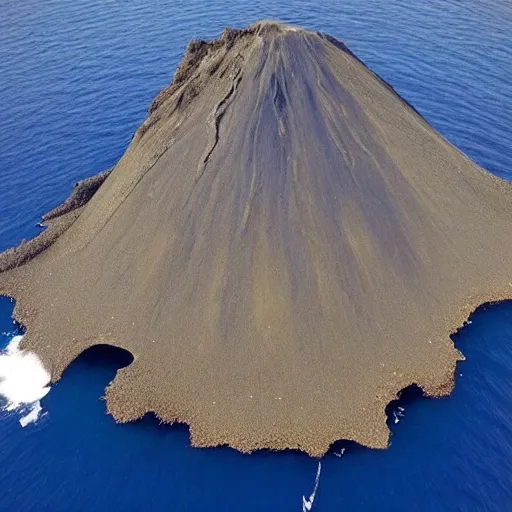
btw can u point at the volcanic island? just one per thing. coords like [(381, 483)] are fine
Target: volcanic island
[(283, 247)]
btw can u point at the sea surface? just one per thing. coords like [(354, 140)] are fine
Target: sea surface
[(76, 79)]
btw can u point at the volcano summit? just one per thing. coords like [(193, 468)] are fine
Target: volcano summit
[(285, 244)]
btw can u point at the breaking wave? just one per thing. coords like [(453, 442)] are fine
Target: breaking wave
[(23, 381)]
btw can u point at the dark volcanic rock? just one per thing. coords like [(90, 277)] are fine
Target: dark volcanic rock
[(284, 245)]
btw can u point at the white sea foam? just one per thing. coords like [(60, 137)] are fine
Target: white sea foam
[(23, 381), (307, 504), (398, 413), (33, 415), (340, 453)]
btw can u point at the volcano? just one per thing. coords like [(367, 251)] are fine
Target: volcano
[(283, 247)]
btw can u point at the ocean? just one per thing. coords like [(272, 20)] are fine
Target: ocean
[(76, 79)]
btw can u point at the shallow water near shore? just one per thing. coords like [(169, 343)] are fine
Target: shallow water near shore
[(77, 80)]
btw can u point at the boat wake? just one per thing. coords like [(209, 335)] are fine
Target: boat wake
[(23, 381), (307, 504)]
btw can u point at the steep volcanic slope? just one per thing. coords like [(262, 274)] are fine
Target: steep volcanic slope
[(285, 244)]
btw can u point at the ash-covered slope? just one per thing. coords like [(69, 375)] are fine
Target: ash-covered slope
[(284, 246)]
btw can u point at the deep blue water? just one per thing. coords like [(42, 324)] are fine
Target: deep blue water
[(75, 82)]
